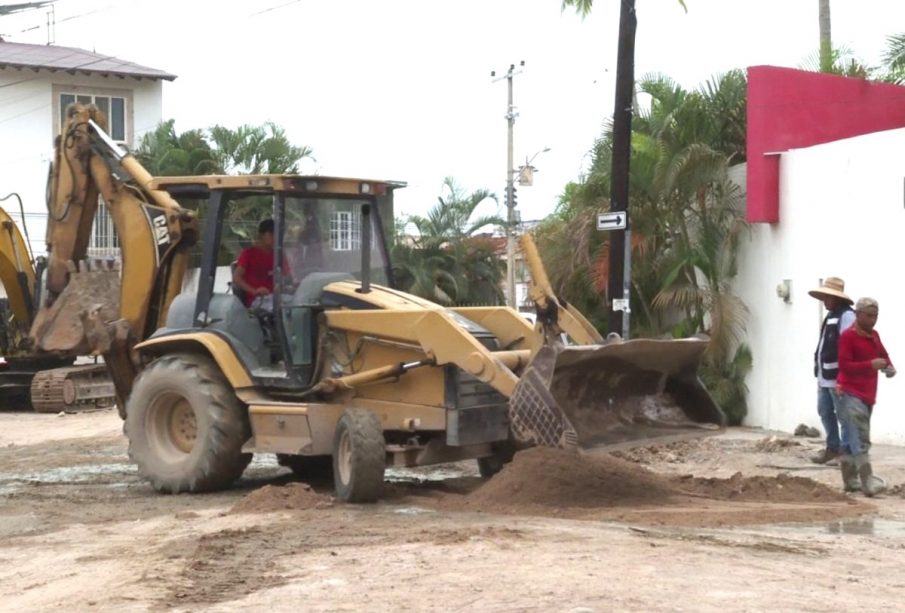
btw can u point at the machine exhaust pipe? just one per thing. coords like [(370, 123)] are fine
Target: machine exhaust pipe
[(365, 249)]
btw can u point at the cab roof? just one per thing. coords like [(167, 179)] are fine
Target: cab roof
[(310, 185)]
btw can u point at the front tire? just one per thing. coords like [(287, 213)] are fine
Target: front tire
[(359, 457), (185, 426)]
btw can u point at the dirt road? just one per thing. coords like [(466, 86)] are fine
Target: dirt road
[(80, 531)]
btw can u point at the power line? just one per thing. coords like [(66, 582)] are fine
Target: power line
[(24, 113), (85, 14), (273, 8), (64, 19)]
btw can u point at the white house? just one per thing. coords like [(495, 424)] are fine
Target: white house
[(36, 84), (843, 214), (826, 198)]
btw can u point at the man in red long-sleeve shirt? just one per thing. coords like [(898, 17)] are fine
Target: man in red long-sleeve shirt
[(861, 357)]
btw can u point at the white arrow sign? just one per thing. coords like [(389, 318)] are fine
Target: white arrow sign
[(612, 221)]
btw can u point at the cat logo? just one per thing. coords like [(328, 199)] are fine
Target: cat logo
[(160, 229)]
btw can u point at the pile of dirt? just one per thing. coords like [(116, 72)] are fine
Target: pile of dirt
[(289, 497), (781, 488), (563, 480), (772, 444), (557, 483)]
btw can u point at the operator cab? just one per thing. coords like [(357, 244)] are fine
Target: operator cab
[(325, 230)]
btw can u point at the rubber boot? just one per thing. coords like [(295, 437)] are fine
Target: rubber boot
[(870, 485), (825, 456), (850, 480)]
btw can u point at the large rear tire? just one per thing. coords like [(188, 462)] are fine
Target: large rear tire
[(359, 457), (185, 426)]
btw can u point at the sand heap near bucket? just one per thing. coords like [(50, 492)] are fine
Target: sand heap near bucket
[(548, 481), (544, 477)]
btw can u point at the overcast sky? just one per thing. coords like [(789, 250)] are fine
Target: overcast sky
[(401, 89)]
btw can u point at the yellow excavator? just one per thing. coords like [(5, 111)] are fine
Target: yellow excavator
[(47, 383), (341, 372)]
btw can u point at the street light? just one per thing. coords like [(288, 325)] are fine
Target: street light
[(526, 172)]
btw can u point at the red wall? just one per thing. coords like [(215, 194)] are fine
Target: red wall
[(792, 109)]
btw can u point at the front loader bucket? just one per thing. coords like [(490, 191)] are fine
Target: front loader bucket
[(614, 396), (91, 295)]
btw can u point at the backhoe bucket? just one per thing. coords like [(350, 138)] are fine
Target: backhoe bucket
[(614, 396), (91, 295)]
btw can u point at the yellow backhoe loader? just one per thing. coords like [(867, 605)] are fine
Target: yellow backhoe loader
[(47, 383), (344, 372)]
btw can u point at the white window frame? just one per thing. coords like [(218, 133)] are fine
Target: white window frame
[(345, 231), (95, 92), (104, 241)]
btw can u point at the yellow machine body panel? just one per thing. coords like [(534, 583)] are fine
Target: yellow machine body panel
[(217, 348), (16, 269)]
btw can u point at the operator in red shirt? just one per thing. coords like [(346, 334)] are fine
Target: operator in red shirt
[(861, 357), (254, 268)]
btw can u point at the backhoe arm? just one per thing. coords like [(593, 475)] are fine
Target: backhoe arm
[(81, 301), (554, 314)]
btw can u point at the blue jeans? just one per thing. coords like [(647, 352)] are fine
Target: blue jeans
[(826, 408), (854, 415)]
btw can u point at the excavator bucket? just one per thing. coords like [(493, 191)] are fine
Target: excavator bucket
[(91, 295), (614, 396)]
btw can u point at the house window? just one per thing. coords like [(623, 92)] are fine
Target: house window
[(104, 240), (345, 231), (114, 107)]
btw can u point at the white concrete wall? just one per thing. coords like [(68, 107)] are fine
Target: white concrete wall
[(842, 213), (27, 130)]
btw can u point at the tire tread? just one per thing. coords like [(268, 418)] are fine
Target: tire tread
[(221, 462)]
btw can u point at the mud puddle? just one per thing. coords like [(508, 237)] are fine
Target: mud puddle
[(862, 526), (427, 474), (99, 474)]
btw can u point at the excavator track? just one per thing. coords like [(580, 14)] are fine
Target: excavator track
[(76, 388)]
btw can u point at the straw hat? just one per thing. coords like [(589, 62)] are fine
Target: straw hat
[(832, 286)]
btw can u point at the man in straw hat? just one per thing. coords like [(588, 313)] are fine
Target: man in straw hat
[(861, 357), (839, 317)]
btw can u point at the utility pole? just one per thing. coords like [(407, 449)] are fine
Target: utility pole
[(826, 39), (619, 285), (511, 221)]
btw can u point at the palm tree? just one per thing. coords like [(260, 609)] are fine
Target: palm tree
[(583, 7), (220, 150), (622, 129), (252, 150), (448, 261), (843, 62), (165, 153), (826, 42), (894, 59), (686, 222)]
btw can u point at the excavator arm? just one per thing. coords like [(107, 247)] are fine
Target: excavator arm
[(17, 274), (555, 315), (90, 308)]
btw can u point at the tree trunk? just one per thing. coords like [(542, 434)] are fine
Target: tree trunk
[(622, 150), (826, 42)]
